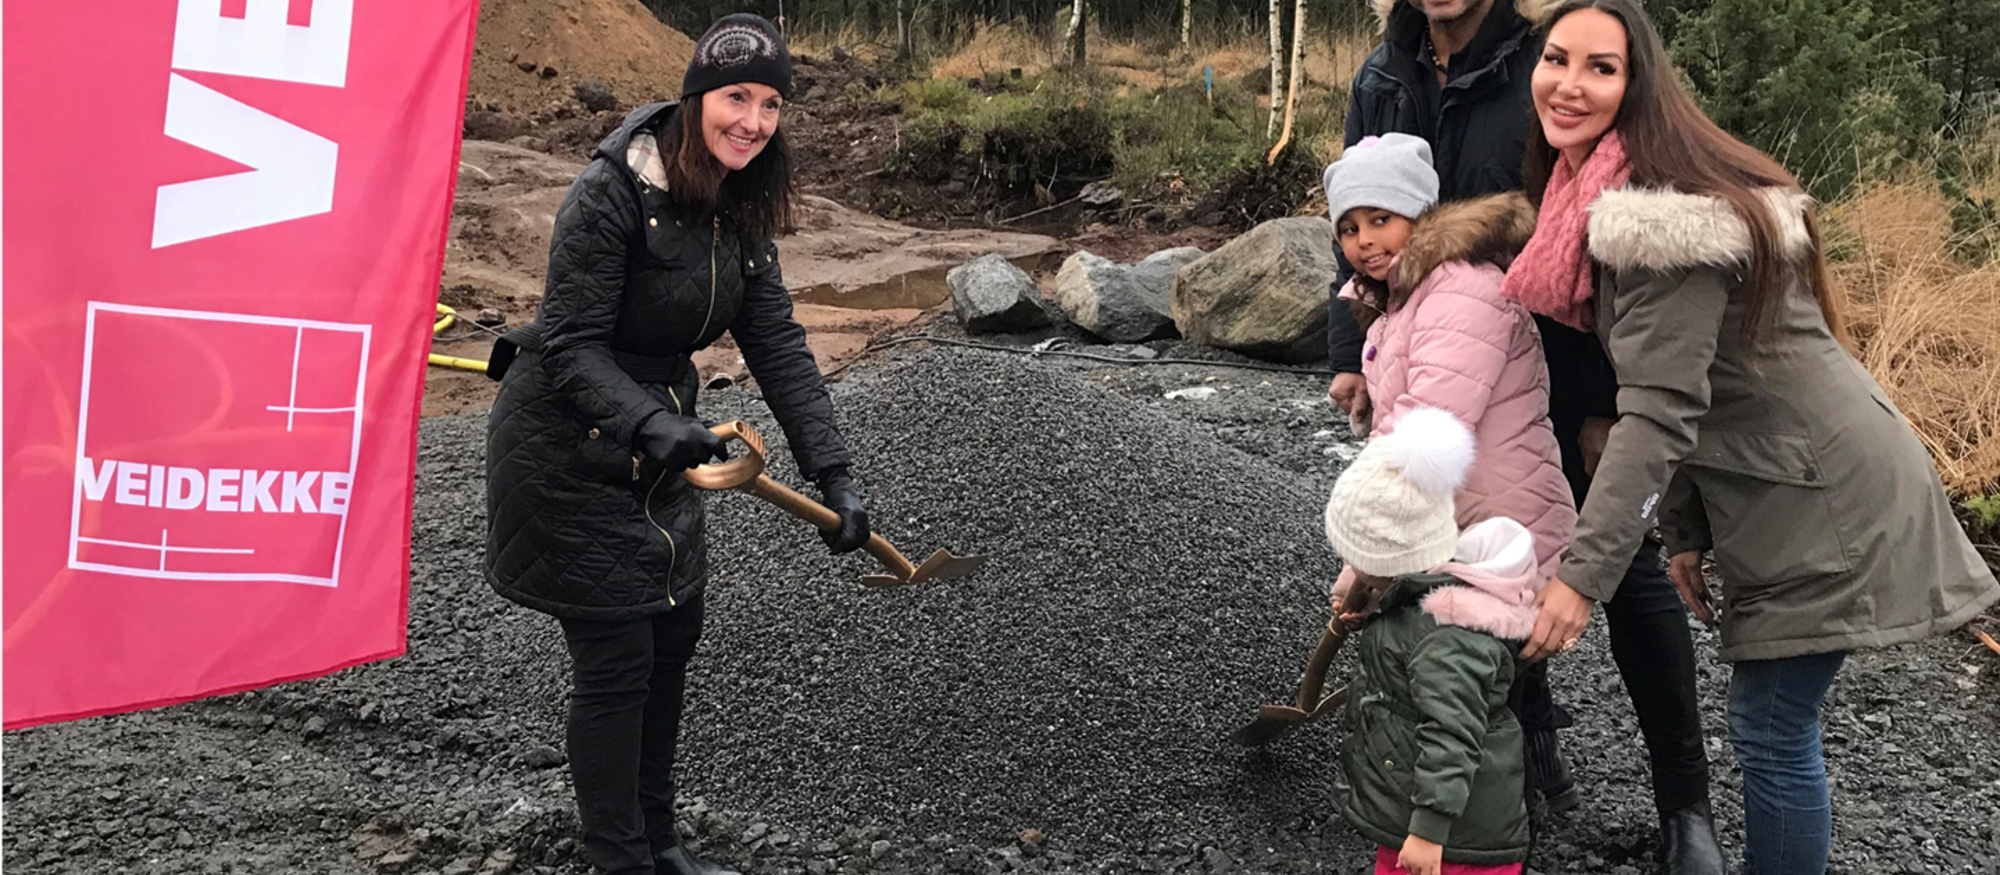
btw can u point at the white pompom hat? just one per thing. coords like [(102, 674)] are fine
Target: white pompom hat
[(1391, 512)]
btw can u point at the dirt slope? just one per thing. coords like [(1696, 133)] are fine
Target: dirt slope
[(562, 42)]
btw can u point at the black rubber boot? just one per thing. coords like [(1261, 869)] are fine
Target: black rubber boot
[(678, 860), (1687, 842), (1549, 773)]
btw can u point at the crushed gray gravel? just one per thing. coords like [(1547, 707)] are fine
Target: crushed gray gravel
[(1157, 570)]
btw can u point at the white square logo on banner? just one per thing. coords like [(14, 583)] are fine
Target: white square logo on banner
[(216, 446)]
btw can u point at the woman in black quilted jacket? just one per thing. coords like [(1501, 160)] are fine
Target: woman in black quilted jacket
[(661, 245)]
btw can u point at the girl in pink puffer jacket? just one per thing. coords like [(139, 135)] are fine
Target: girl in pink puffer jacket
[(1426, 289)]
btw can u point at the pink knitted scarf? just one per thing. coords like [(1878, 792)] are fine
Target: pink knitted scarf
[(1552, 275)]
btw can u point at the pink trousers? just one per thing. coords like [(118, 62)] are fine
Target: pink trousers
[(1385, 864)]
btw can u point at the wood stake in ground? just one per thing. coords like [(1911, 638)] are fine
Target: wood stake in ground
[(1292, 93)]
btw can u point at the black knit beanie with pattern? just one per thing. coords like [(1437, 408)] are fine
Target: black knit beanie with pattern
[(739, 48)]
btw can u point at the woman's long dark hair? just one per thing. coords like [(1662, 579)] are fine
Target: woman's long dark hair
[(1672, 143), (757, 199)]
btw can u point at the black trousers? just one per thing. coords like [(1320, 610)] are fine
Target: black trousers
[(1655, 655), (630, 677)]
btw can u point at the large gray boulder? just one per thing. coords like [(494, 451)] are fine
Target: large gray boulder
[(1157, 270), (1121, 303), (989, 294), (1262, 294)]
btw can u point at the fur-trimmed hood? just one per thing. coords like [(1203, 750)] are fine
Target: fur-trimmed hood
[(1532, 10), (1663, 229), (1492, 228), (1495, 560)]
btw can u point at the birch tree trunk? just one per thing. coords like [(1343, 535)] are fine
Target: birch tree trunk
[(1078, 29), (1187, 22), (1298, 68), (1277, 61), (904, 49)]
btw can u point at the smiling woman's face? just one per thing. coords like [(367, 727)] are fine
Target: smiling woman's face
[(1580, 82), (737, 121)]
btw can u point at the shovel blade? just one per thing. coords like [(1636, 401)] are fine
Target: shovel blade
[(940, 566), (944, 566), (1272, 723)]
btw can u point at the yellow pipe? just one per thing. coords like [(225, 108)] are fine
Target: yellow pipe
[(446, 317), (451, 361)]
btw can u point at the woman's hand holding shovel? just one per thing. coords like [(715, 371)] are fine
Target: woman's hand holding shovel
[(840, 495)]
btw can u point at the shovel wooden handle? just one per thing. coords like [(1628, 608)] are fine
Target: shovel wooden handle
[(735, 473), (790, 501), (745, 473), (1329, 647)]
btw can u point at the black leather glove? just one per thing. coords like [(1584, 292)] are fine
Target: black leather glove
[(840, 495), (678, 442)]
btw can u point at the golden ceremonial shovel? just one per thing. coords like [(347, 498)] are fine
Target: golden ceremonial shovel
[(745, 473)]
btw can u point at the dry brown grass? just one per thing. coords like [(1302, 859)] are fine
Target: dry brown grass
[(850, 38), (997, 49), (1329, 63), (1927, 325)]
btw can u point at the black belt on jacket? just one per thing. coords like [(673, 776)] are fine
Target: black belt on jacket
[(642, 368)]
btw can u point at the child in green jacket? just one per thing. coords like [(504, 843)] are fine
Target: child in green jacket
[(1433, 754)]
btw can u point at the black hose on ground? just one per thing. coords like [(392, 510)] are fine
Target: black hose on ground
[(1030, 351)]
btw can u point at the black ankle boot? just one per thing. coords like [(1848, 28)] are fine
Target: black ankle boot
[(1687, 842), (1549, 773), (678, 860)]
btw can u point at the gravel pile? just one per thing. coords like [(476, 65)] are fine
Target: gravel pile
[(1157, 570), (1148, 585)]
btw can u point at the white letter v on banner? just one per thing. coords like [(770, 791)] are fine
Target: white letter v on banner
[(292, 179)]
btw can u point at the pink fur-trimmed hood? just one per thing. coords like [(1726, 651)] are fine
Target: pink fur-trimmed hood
[(1496, 561)]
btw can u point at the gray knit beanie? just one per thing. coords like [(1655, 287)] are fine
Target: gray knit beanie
[(1391, 172), (739, 48)]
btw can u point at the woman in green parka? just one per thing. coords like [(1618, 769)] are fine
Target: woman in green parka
[(1745, 428)]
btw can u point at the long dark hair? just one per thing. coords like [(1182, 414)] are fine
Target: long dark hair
[(757, 200), (1671, 142), (1373, 300)]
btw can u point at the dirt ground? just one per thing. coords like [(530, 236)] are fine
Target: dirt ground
[(530, 54)]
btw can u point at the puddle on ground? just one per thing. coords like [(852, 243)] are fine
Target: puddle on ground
[(920, 290), (915, 290)]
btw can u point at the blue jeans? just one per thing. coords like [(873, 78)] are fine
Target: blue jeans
[(1774, 724)]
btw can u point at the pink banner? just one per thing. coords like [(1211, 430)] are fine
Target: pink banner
[(224, 222)]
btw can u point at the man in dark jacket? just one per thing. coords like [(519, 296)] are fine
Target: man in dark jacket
[(1457, 73)]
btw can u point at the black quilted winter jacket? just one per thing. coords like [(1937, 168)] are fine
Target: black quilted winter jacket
[(1477, 125), (575, 527)]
